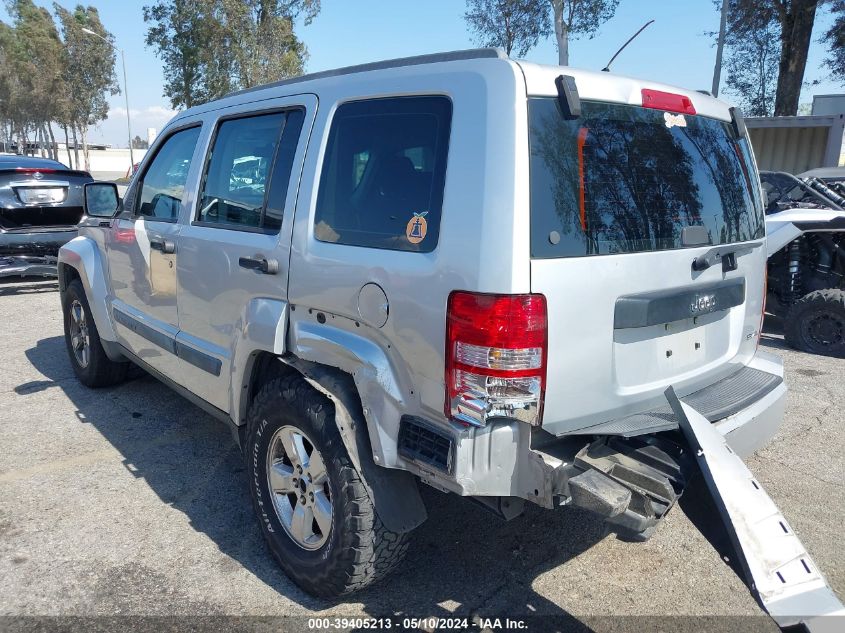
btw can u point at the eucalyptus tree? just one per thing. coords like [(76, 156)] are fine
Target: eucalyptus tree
[(514, 25), (88, 71), (211, 47), (520, 24), (32, 74)]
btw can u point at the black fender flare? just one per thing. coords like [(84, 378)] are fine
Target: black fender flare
[(394, 492)]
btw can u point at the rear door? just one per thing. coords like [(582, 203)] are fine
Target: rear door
[(142, 251), (234, 248), (623, 199)]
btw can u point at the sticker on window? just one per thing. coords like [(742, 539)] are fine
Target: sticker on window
[(417, 228), (673, 120)]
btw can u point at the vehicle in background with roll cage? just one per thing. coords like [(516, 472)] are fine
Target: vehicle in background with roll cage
[(805, 220)]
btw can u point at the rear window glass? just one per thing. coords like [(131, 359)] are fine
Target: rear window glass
[(625, 179), (383, 175)]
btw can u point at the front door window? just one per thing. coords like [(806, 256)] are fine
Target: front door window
[(164, 181)]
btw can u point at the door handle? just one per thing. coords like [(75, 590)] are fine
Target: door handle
[(165, 246), (259, 264), (104, 223)]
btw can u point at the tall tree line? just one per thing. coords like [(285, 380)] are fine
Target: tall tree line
[(52, 73), (213, 47), (767, 41)]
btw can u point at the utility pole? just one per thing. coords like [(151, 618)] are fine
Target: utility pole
[(720, 45), (125, 94)]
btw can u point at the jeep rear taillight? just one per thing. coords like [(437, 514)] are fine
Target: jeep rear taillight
[(496, 349)]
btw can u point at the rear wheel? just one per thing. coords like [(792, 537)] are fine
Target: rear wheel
[(314, 510), (90, 363), (816, 323)]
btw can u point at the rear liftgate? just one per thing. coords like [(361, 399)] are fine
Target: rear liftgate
[(778, 568)]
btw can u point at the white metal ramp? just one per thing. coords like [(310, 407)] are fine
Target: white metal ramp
[(778, 569)]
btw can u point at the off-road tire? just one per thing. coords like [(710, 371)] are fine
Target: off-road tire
[(100, 371), (360, 550), (819, 304)]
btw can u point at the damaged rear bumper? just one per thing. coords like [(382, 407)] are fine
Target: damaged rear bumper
[(755, 426), (777, 567), (28, 266), (509, 459), (32, 252)]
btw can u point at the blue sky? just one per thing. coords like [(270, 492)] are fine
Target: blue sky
[(673, 50)]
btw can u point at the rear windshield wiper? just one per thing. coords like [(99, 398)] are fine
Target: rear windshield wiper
[(726, 254)]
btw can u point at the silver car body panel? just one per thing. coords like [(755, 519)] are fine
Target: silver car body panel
[(229, 312), (312, 308), (376, 376), (482, 188)]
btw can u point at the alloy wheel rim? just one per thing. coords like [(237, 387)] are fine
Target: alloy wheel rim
[(299, 485), (80, 339)]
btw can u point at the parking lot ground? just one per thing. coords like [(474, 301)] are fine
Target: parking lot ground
[(131, 501)]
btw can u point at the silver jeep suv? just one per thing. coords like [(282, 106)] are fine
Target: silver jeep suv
[(460, 269)]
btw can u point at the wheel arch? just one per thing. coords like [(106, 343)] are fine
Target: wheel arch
[(67, 274), (273, 329), (354, 373), (393, 492), (81, 259)]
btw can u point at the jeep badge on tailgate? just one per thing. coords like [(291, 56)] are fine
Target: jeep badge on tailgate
[(702, 304)]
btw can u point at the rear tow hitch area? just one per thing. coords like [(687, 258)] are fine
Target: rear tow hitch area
[(631, 482), (777, 567)]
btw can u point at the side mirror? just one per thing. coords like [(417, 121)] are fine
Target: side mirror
[(101, 199)]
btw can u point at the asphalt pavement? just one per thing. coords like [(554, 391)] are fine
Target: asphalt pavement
[(131, 501)]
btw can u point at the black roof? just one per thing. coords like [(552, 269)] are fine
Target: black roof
[(29, 162)]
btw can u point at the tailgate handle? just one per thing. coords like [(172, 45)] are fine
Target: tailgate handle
[(726, 255)]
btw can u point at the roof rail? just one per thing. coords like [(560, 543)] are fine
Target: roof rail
[(472, 53)]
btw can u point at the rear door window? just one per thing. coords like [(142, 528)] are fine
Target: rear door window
[(383, 175), (248, 153), (625, 179)]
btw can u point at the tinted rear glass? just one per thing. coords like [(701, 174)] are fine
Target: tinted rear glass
[(384, 173), (624, 179)]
